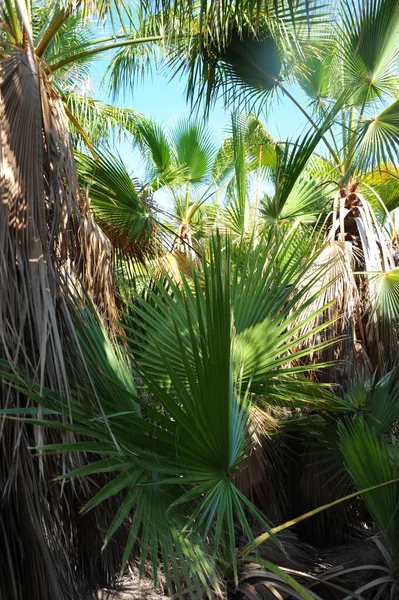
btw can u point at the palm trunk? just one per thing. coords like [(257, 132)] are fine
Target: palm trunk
[(40, 219)]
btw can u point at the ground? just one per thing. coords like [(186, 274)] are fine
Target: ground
[(132, 589)]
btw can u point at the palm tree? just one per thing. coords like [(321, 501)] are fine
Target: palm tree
[(245, 163), (144, 234), (205, 355), (241, 51), (45, 234), (199, 183), (360, 161), (179, 162), (44, 48), (337, 174)]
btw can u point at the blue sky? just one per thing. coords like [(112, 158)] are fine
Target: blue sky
[(164, 100)]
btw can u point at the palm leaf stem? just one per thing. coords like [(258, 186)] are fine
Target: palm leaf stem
[(184, 241), (344, 128), (355, 134), (81, 130), (265, 536), (88, 44), (13, 20), (90, 52), (257, 196), (27, 25), (311, 121), (201, 202), (334, 141), (51, 31)]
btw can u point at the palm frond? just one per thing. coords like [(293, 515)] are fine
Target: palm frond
[(195, 149), (237, 208), (134, 60), (223, 52), (291, 187), (204, 423), (369, 48), (127, 217), (375, 401), (382, 184), (264, 343), (100, 121), (153, 140), (72, 34), (372, 460), (385, 295), (315, 81), (378, 140)]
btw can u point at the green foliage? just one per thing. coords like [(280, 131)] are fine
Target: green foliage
[(164, 418), (372, 459), (266, 352), (386, 295), (378, 139), (369, 48), (181, 156), (177, 452), (116, 201), (297, 195), (101, 122)]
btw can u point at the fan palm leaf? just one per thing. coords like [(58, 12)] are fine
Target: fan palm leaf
[(125, 214), (240, 59), (369, 48), (177, 445), (372, 460), (384, 291), (378, 139), (264, 342), (211, 442)]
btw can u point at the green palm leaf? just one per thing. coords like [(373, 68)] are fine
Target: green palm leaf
[(295, 196), (264, 319), (237, 208), (188, 451), (369, 48), (125, 214), (372, 460), (153, 138), (240, 60), (101, 121), (377, 402), (315, 80), (194, 149), (378, 140), (385, 295)]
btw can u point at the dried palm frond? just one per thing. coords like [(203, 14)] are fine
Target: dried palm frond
[(338, 290), (359, 282), (39, 215), (34, 218), (94, 255), (261, 478)]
